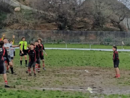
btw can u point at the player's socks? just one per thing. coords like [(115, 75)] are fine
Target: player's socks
[(118, 75), (7, 69), (36, 66), (12, 70), (6, 82), (26, 63), (38, 69), (21, 62)]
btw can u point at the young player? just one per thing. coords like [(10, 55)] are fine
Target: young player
[(7, 56), (32, 59), (12, 50), (116, 62), (23, 50), (37, 56), (41, 49), (2, 65)]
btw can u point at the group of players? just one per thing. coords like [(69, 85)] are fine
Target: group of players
[(7, 53)]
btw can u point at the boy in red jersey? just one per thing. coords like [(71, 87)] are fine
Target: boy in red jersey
[(41, 49), (116, 62)]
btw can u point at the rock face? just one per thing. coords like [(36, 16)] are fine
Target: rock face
[(18, 6), (17, 9)]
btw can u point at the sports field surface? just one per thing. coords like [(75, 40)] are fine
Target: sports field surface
[(68, 75)]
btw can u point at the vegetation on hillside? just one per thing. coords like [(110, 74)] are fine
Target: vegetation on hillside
[(90, 15)]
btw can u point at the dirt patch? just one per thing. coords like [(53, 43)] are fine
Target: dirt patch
[(73, 78)]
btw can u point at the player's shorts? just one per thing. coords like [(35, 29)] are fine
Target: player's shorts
[(2, 68), (38, 61), (116, 64), (31, 64), (24, 53), (12, 58), (7, 60), (41, 55), (14, 53)]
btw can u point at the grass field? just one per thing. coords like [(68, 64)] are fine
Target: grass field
[(66, 69)]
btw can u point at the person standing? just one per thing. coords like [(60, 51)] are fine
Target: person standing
[(23, 50), (116, 61)]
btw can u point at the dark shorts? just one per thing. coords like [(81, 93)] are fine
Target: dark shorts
[(2, 68), (38, 61), (14, 53), (116, 64), (41, 55), (12, 58), (7, 60), (24, 53), (31, 64)]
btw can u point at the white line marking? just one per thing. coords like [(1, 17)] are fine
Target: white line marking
[(87, 71)]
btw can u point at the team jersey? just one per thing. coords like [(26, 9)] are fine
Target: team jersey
[(115, 56), (8, 46), (37, 51), (23, 45), (41, 47), (2, 53), (32, 55)]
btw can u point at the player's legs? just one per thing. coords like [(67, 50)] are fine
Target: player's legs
[(7, 66), (25, 56), (42, 58), (5, 79), (29, 68), (21, 58), (34, 68), (117, 71), (11, 67)]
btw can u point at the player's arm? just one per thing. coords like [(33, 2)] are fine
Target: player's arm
[(3, 37), (6, 55), (14, 46), (44, 50), (20, 47), (116, 55), (13, 39)]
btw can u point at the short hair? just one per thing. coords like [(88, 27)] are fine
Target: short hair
[(115, 47), (31, 44), (1, 44), (40, 39), (5, 38), (36, 41), (22, 38)]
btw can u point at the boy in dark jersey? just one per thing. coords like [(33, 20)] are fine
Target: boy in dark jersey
[(41, 49), (37, 55), (32, 59), (116, 62), (2, 65)]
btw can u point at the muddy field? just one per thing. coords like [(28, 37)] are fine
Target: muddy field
[(73, 79)]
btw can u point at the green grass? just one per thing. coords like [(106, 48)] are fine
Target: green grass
[(85, 58), (62, 58), (82, 46), (52, 94)]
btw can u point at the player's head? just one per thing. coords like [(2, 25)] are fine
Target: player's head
[(11, 42), (39, 40), (23, 39), (1, 44), (36, 43), (114, 48), (5, 40), (31, 46)]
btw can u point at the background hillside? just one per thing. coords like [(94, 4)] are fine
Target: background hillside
[(90, 15)]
